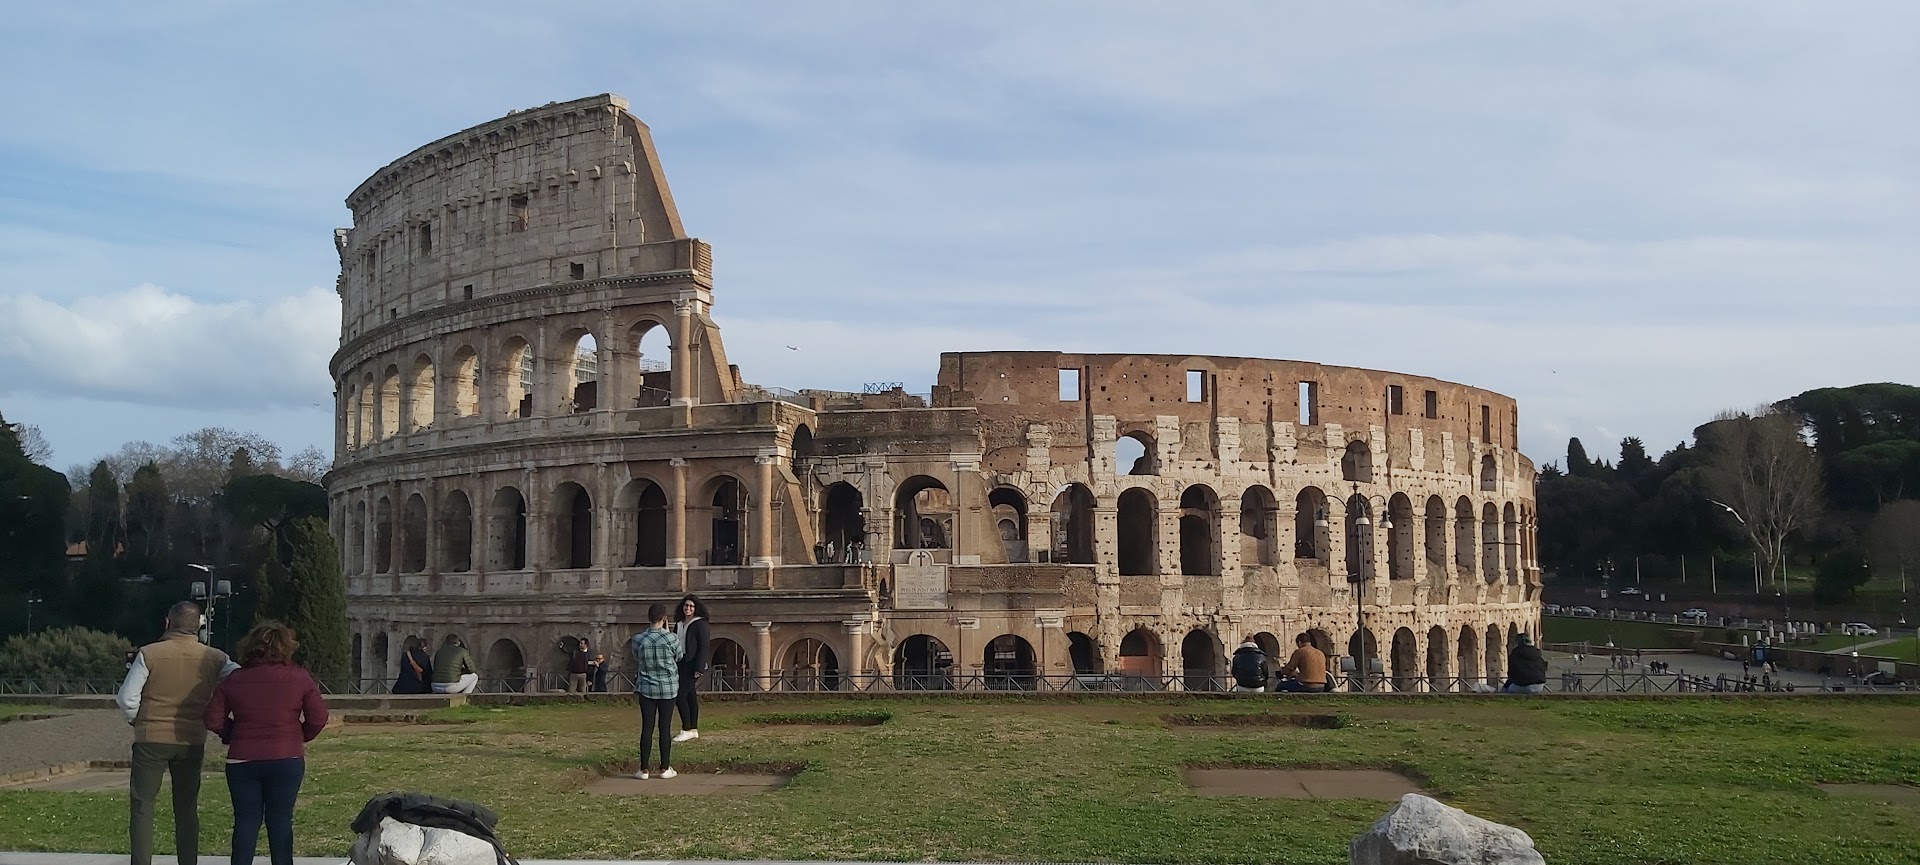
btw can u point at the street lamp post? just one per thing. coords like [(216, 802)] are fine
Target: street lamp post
[(1357, 578), (209, 595), (31, 603)]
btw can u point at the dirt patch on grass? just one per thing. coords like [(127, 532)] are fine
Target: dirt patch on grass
[(694, 779), (1382, 785), (32, 716), (850, 718), (1899, 794), (1313, 720)]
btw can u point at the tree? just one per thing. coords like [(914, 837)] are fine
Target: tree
[(103, 509), (309, 465), (319, 594), (1893, 539), (147, 504), (33, 509), (34, 444), (65, 654), (1759, 466), (1578, 466), (272, 503)]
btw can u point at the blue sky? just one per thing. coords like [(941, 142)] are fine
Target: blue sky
[(1627, 216)]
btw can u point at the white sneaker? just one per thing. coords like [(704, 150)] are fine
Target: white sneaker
[(667, 773), (640, 775), (685, 735)]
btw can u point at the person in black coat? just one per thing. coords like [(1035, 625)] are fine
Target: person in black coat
[(690, 625), (1249, 668), (416, 668)]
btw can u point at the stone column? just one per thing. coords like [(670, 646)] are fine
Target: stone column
[(433, 563), (856, 631), (762, 654), (609, 372), (682, 352), (603, 524), (537, 540), (1106, 536), (544, 399), (765, 552), (1226, 540), (677, 534)]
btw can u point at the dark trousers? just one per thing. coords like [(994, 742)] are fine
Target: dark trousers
[(689, 701), (264, 791), (151, 761), (1295, 686), (656, 712)]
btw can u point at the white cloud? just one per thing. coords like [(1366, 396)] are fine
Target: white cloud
[(147, 345)]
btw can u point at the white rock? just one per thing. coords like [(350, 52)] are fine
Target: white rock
[(390, 843), (447, 847), (1423, 831)]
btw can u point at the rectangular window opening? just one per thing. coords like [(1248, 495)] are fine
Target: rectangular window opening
[(426, 238), (579, 270), (1433, 404), (1069, 385), (521, 216), (1486, 423), (1309, 403), (468, 291), (1396, 400), (393, 313), (1196, 385)]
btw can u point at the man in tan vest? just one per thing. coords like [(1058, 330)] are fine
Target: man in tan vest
[(166, 690)]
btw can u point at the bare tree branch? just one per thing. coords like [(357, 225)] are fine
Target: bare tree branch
[(1761, 465)]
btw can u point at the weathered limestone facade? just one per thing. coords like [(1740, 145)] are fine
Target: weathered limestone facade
[(539, 434)]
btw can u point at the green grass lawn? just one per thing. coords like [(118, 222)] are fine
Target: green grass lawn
[(1625, 634), (10, 710), (1594, 781)]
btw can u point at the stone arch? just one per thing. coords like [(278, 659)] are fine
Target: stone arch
[(456, 533), (1490, 542), (1139, 530), (1259, 527), (1321, 640), (922, 663), (1140, 653), (413, 535), (1489, 474), (1510, 537), (1073, 529), (729, 668), (728, 504), (1008, 662), (1009, 507), (1436, 532), (577, 373), (1311, 540), (572, 509), (1134, 453), (390, 402), (1199, 531), (811, 665), (843, 521), (643, 505), (513, 375), (381, 652), (1270, 646), (1406, 661), (805, 450), (923, 515), (1084, 652), (1359, 533), (1201, 660), (1464, 542), (420, 396), (1400, 537), (1437, 657), (1364, 649), (504, 668), (1467, 655), (1356, 464), (653, 359), (466, 382), (1496, 652), (357, 539), (507, 530), (383, 536), (363, 428)]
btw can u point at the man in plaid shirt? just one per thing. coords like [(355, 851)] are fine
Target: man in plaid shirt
[(656, 682)]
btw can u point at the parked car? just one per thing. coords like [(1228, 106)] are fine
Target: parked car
[(1551, 609), (1631, 590), (1859, 629), (1694, 613), (1881, 679), (1584, 610)]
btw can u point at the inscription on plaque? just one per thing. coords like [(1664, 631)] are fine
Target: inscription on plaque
[(920, 583)]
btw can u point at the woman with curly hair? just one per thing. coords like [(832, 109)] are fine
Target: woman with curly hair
[(266, 712), (690, 625)]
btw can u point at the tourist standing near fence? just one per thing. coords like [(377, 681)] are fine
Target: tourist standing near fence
[(167, 687), (691, 628), (266, 712), (656, 681)]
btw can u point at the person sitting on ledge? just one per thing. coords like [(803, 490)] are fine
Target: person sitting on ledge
[(1308, 668), (1249, 668), (1526, 668)]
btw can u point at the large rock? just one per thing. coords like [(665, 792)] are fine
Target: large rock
[(397, 843), (1422, 831)]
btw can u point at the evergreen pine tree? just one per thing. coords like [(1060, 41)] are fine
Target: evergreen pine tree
[(1578, 466), (318, 600)]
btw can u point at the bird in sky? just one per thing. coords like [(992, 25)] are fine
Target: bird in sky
[(793, 348)]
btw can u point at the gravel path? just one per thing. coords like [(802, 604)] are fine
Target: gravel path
[(75, 736)]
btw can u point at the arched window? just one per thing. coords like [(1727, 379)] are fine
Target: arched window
[(456, 533), (1356, 464), (420, 384), (1310, 526), (390, 403), (1200, 661), (843, 525), (507, 531), (727, 537), (572, 527), (357, 539), (1489, 474), (1463, 539), (466, 382), (1490, 542), (413, 535), (513, 375), (649, 503), (383, 536), (1359, 538), (1010, 521), (1400, 538), (1073, 525), (1134, 454), (1140, 654), (1406, 660), (1199, 527), (1437, 539), (653, 357), (1259, 527), (1139, 534), (578, 375), (923, 512)]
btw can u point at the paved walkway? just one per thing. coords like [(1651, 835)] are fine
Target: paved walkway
[(76, 736), (120, 859)]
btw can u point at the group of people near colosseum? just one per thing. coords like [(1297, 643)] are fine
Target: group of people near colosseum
[(667, 665), (265, 709), (1305, 672)]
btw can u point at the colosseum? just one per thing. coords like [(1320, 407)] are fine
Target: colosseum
[(539, 434)]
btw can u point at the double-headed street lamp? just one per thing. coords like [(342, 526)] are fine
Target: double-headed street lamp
[(1357, 575), (209, 595)]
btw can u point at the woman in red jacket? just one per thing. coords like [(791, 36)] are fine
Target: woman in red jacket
[(266, 711)]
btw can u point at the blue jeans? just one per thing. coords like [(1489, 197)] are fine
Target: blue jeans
[(264, 791)]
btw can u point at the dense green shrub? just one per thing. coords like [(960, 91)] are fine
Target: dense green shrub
[(65, 654)]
